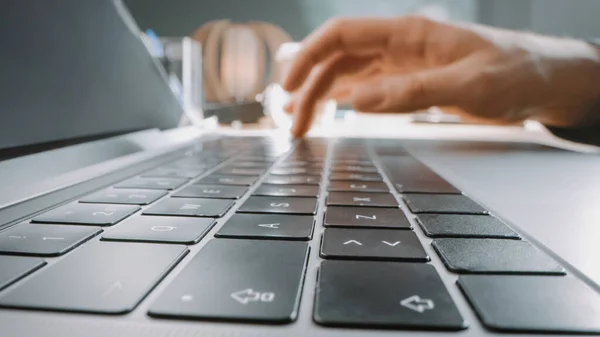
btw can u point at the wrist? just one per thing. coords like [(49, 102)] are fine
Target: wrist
[(571, 71)]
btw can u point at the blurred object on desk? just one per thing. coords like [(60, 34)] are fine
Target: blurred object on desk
[(181, 59), (238, 65), (436, 115), (237, 59), (183, 62)]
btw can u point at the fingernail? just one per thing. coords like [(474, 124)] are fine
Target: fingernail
[(368, 97)]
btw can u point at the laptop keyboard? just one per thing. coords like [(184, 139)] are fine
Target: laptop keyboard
[(253, 206)]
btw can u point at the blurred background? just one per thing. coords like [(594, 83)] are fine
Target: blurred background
[(577, 18), (241, 40)]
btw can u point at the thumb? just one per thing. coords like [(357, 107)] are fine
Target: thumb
[(411, 92)]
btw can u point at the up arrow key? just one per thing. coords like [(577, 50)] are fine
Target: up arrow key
[(353, 241)]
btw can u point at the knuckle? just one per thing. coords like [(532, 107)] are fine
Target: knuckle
[(416, 35)]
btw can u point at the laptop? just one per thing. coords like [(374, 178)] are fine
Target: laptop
[(117, 220)]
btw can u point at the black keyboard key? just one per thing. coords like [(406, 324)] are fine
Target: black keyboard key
[(189, 164), (287, 190), (295, 171), (357, 186), (349, 156), (268, 226), (256, 159), (355, 177), (384, 294), (306, 157), (362, 199), (173, 172), (14, 268), (212, 191), (292, 180), (369, 244), (124, 196), (279, 205), (464, 226), (411, 176), (87, 214), (343, 162), (354, 168), (494, 256), (387, 147), (240, 171), (161, 229), (293, 163), (191, 207), (249, 165), (538, 304), (443, 203), (153, 183), (101, 277), (44, 239), (432, 186), (301, 164), (366, 217), (250, 280), (227, 180)]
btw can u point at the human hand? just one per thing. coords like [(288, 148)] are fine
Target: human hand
[(411, 63)]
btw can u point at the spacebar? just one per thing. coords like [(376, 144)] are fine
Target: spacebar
[(101, 277), (238, 280)]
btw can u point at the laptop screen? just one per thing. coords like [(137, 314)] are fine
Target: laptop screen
[(73, 70)]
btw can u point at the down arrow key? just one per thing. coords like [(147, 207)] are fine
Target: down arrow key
[(372, 244)]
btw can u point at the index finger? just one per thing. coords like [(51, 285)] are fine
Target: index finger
[(351, 36)]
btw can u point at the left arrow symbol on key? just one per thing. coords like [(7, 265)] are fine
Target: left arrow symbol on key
[(115, 286), (245, 296), (418, 304)]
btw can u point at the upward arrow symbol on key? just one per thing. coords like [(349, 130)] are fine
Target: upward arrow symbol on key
[(353, 241)]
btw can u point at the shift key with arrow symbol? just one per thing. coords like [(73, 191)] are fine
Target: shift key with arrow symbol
[(242, 280)]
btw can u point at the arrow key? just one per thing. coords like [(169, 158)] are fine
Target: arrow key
[(384, 294), (367, 244)]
